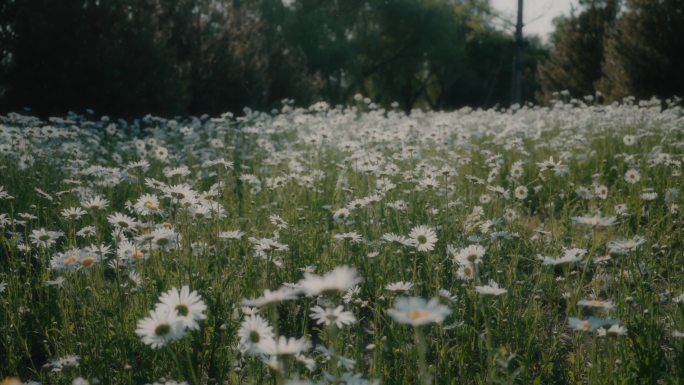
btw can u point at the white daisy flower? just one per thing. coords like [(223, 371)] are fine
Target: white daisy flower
[(569, 256), (423, 237), (632, 176), (416, 311), (338, 280), (468, 255), (596, 303), (492, 288), (399, 286), (95, 203), (45, 238), (329, 316), (146, 205), (595, 220), (254, 331), (285, 346), (233, 234), (280, 295), (160, 328), (187, 306), (624, 246)]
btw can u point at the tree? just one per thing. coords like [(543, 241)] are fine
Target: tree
[(575, 61), (644, 52)]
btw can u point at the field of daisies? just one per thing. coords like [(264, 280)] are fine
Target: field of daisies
[(348, 245)]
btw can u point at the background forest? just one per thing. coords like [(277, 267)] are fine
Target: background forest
[(170, 57)]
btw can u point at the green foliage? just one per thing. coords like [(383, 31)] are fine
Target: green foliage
[(575, 63), (644, 53), (165, 57)]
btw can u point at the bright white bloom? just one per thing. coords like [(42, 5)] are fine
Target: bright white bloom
[(352, 237), (122, 221), (624, 246), (601, 191), (95, 203), (490, 289), (632, 176), (188, 306), (341, 214), (254, 331), (468, 255), (160, 328), (328, 316), (629, 140), (282, 294), (45, 238), (615, 330), (338, 280), (569, 256), (649, 195), (589, 325), (416, 311), (596, 303), (395, 238), (285, 346), (80, 381), (147, 204), (595, 220), (68, 361), (399, 286), (551, 165), (73, 213), (466, 272), (423, 237), (234, 234), (163, 238), (520, 193)]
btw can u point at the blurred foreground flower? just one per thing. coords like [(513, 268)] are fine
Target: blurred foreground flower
[(416, 311), (338, 280)]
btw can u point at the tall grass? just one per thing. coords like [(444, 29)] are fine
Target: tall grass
[(282, 181)]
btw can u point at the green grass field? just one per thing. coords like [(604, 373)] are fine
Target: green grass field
[(345, 246)]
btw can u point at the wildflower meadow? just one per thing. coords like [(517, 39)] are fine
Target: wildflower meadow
[(345, 245)]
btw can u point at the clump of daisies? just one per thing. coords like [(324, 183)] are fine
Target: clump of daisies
[(177, 312)]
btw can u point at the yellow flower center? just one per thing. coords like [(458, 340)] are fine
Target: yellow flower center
[(88, 261), (417, 314), (70, 259), (11, 381)]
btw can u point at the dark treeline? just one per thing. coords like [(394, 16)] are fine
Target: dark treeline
[(170, 57), (132, 57), (618, 48)]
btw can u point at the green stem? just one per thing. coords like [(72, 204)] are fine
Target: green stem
[(421, 347)]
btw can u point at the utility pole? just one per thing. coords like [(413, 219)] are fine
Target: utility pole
[(516, 73)]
